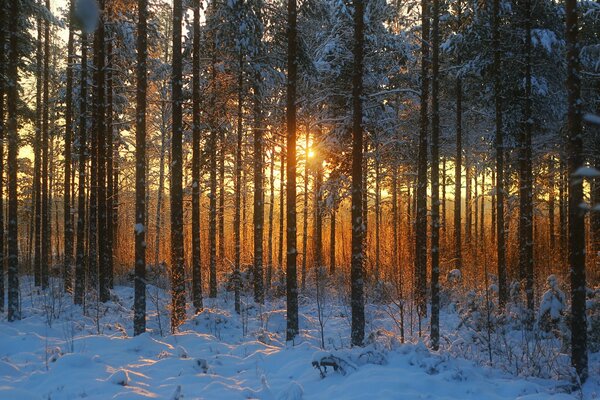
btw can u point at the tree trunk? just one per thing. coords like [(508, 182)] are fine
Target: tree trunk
[(177, 267), (421, 209), (196, 267), (356, 271), (525, 174), (109, 164), (37, 174), (458, 161), (68, 228), (435, 179), (46, 234), (259, 198), (212, 144), (3, 90), (332, 260), (282, 176), (305, 211), (139, 316), (271, 209), (80, 256), (12, 99), (500, 233), (579, 357), (292, 252), (238, 178)]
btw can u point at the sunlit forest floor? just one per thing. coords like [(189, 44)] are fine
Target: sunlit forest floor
[(57, 351)]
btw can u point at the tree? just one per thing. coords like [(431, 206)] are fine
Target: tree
[(458, 159), (292, 252), (196, 269), (435, 177), (139, 323), (579, 357), (356, 271), (68, 228), (500, 234), (3, 10), (177, 268), (80, 257), (45, 215), (525, 171), (259, 206), (421, 195), (99, 120), (12, 99)]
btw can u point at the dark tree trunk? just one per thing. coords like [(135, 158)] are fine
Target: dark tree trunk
[(305, 211), (501, 237), (12, 99), (212, 144), (458, 162), (318, 236), (332, 260), (356, 269), (525, 174), (37, 174), (292, 252), (435, 178), (196, 267), (139, 316), (259, 206), (177, 267), (271, 209), (238, 179), (281, 208), (421, 222), (551, 202), (579, 356), (46, 234), (99, 118), (377, 210), (109, 164), (68, 228), (3, 12), (80, 251)]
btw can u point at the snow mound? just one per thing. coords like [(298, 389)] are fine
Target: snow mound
[(119, 377)]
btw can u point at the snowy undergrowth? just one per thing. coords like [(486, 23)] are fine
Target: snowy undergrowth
[(222, 355)]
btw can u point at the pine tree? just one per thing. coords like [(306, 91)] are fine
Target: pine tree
[(499, 144), (139, 323), (435, 177), (177, 267), (421, 195), (68, 228), (196, 268), (292, 252), (80, 257), (12, 99), (579, 356), (356, 271)]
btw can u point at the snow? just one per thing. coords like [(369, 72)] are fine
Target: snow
[(587, 172), (93, 356), (592, 118)]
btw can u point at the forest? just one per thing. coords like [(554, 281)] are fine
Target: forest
[(300, 199)]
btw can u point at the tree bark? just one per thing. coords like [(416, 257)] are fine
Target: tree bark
[(12, 99), (579, 357), (177, 267), (139, 316), (525, 173), (46, 233), (292, 252), (196, 267), (68, 228), (435, 179), (500, 233), (80, 251), (421, 210), (458, 161), (356, 270)]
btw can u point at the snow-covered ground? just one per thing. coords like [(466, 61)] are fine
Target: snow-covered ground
[(220, 355)]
